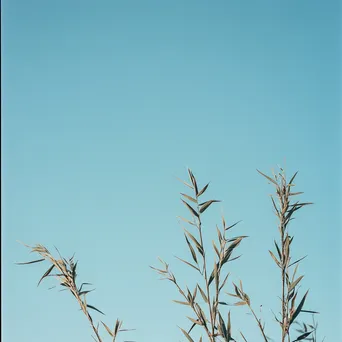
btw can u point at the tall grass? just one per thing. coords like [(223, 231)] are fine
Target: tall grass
[(206, 300), (64, 270), (212, 279)]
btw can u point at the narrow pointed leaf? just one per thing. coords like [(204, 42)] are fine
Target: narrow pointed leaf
[(186, 220), (189, 197), (193, 181), (187, 335), (185, 183), (189, 331), (206, 205), (244, 338), (180, 302), (93, 307), (275, 259), (292, 179), (188, 263), (195, 321), (84, 292), (229, 326), (295, 283), (299, 308), (233, 225), (203, 294), (29, 262), (193, 253), (278, 250), (240, 303), (215, 248), (117, 327), (108, 330), (80, 289), (269, 178), (297, 261), (203, 190), (295, 193), (198, 245), (223, 327), (46, 274), (303, 336), (310, 311), (233, 295), (192, 210), (224, 281)]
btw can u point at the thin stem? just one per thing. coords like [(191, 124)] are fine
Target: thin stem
[(194, 309), (85, 311), (212, 338), (284, 321), (259, 324)]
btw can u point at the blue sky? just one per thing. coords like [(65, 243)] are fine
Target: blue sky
[(105, 103)]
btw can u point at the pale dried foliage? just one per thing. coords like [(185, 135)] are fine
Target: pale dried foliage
[(65, 271), (213, 279)]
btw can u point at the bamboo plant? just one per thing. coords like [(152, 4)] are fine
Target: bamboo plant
[(65, 273), (212, 280)]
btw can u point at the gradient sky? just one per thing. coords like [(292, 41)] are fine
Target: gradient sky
[(106, 102)]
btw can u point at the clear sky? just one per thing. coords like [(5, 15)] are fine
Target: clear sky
[(105, 102)]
